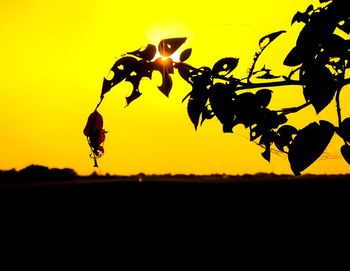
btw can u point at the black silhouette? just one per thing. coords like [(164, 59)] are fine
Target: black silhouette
[(318, 64), (37, 173)]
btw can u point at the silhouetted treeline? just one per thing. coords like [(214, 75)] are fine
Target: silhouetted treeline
[(37, 173)]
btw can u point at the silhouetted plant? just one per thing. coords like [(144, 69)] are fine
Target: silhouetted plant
[(319, 61)]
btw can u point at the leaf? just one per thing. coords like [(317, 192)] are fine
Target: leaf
[(285, 136), (294, 57), (134, 95), (309, 9), (124, 66), (165, 67), (185, 55), (266, 154), (246, 109), (196, 104), (207, 114), (345, 27), (287, 131), (147, 54), (335, 46), (106, 86), (345, 151), (185, 73), (222, 104), (309, 144), (266, 139), (167, 47), (140, 69), (121, 69), (225, 65), (263, 97), (319, 86), (167, 85), (269, 38), (300, 17), (344, 129)]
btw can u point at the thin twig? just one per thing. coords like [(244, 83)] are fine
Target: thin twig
[(289, 110)]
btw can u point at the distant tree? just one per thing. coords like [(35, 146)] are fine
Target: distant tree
[(318, 62)]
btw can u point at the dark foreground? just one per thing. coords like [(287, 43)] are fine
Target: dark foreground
[(177, 192), (166, 206)]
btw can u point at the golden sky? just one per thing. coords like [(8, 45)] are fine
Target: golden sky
[(54, 55)]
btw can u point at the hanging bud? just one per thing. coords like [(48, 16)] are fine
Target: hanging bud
[(95, 135)]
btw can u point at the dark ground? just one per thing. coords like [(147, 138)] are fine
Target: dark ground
[(178, 208), (179, 191)]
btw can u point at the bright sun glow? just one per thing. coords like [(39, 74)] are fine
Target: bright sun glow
[(175, 56)]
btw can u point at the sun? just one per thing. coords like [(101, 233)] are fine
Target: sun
[(175, 57)]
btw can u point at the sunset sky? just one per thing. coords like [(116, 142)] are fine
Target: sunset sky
[(54, 55)]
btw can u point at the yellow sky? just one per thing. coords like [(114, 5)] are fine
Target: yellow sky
[(54, 55)]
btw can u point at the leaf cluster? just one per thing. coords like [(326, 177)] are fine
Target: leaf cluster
[(318, 61)]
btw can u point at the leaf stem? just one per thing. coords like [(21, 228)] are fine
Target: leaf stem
[(337, 100), (97, 106), (289, 110)]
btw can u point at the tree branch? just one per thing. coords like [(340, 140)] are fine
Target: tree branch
[(270, 84)]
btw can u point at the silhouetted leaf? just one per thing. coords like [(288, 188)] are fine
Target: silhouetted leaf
[(294, 58), (124, 66), (207, 114), (246, 109), (300, 17), (335, 46), (344, 129), (185, 55), (196, 103), (266, 40), (225, 65), (140, 69), (285, 136), (165, 67), (309, 144), (309, 8), (320, 85), (167, 47), (287, 130), (147, 54), (267, 154), (106, 86), (134, 95), (222, 104), (185, 73), (121, 69), (266, 139), (264, 119), (166, 85), (345, 26), (202, 76), (263, 97), (345, 151)]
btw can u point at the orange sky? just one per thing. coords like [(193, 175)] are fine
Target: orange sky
[(54, 55)]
